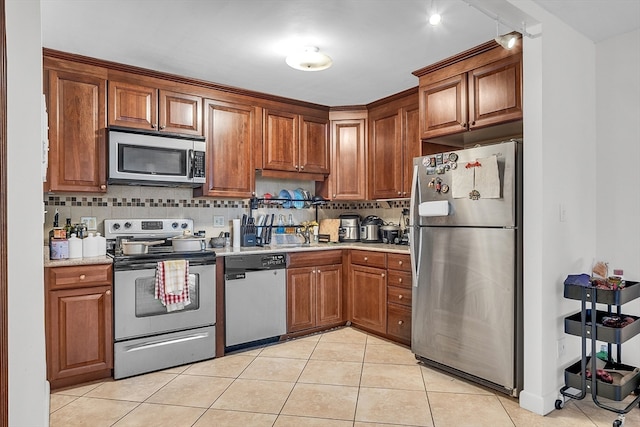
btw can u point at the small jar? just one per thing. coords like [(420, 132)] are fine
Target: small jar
[(227, 239)]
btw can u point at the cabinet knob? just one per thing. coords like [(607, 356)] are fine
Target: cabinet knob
[(399, 193), (154, 125), (399, 262), (464, 125), (473, 123), (400, 280), (400, 322), (82, 277), (162, 127), (399, 296), (318, 271), (301, 167), (103, 187), (295, 166), (382, 275), (404, 193), (334, 195), (366, 258), (108, 293)]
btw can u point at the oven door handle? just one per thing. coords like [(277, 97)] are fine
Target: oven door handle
[(159, 343)]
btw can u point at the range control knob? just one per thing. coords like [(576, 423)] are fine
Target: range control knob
[(174, 225), (184, 225), (116, 226), (127, 225)]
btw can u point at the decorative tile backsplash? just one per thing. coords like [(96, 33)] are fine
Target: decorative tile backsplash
[(123, 201)]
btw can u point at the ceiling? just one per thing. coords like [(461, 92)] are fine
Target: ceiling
[(374, 44)]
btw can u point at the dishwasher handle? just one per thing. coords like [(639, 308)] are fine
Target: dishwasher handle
[(235, 276)]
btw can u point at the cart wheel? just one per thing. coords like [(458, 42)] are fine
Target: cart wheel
[(617, 423), (559, 404)]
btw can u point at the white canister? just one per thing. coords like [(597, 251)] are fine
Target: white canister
[(101, 244), (89, 246), (75, 246)]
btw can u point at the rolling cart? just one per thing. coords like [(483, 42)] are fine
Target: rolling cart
[(592, 325)]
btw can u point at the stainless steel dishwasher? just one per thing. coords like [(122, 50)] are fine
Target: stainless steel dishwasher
[(256, 299)]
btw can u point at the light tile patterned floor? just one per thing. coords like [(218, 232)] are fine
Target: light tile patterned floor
[(341, 378)]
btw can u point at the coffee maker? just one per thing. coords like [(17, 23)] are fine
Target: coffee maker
[(349, 230)]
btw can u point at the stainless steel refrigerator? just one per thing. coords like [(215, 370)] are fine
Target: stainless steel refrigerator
[(466, 255)]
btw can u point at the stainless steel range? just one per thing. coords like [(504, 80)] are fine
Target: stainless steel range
[(151, 330)]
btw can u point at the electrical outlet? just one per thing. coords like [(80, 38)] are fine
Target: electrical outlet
[(218, 221), (563, 213), (561, 348)]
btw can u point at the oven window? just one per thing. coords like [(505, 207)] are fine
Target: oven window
[(148, 305), (152, 160)]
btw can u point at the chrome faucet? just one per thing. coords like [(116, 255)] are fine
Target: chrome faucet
[(304, 232)]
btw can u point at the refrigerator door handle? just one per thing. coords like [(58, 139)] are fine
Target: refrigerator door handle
[(414, 232)]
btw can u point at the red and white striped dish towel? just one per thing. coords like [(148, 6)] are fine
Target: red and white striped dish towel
[(172, 284)]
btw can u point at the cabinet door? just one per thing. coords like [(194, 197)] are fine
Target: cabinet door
[(443, 107), (369, 297), (348, 160), (385, 156), (77, 121), (411, 145), (495, 92), (133, 105), (180, 113), (79, 332), (314, 146), (280, 141), (230, 133), (301, 301), (328, 294)]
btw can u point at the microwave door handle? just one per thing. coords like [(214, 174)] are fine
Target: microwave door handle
[(191, 162)]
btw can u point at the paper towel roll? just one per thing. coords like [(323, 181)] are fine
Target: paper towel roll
[(436, 208), (236, 233)]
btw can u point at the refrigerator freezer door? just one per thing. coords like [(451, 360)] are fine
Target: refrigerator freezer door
[(496, 205), (463, 307)]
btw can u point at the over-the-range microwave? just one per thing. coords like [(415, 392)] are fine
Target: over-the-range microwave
[(145, 158)]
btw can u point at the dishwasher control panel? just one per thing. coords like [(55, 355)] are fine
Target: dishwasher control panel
[(236, 266)]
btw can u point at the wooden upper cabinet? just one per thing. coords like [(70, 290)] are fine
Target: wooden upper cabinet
[(314, 145), (443, 107), (280, 141), (495, 92), (348, 178), (295, 143), (385, 155), (230, 130), (475, 89), (76, 107), (393, 143), (141, 106)]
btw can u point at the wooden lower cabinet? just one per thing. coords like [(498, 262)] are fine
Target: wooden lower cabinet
[(79, 337), (399, 295), (369, 297), (314, 293)]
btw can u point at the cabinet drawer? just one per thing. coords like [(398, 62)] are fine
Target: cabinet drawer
[(399, 278), (315, 258), (371, 259), (80, 276), (399, 322), (399, 262), (399, 295)]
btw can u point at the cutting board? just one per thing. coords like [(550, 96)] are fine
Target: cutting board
[(330, 227)]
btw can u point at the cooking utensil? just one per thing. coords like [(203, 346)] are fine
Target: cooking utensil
[(136, 248), (188, 243)]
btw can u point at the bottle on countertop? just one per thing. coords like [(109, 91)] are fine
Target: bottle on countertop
[(101, 245), (227, 239), (89, 246), (68, 228), (75, 246)]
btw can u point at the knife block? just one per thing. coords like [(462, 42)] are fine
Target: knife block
[(247, 235)]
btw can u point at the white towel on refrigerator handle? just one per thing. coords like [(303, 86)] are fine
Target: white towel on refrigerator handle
[(435, 208)]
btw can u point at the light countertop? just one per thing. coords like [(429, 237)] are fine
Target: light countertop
[(221, 252)]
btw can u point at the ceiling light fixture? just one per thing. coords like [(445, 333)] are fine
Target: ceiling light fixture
[(434, 16), (309, 59)]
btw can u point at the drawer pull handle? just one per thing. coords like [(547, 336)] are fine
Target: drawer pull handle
[(399, 296), (82, 277), (400, 322)]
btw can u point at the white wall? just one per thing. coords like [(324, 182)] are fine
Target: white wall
[(560, 154), (28, 388), (618, 157)]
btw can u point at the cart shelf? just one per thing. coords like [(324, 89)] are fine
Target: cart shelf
[(617, 392), (613, 335), (604, 296)]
